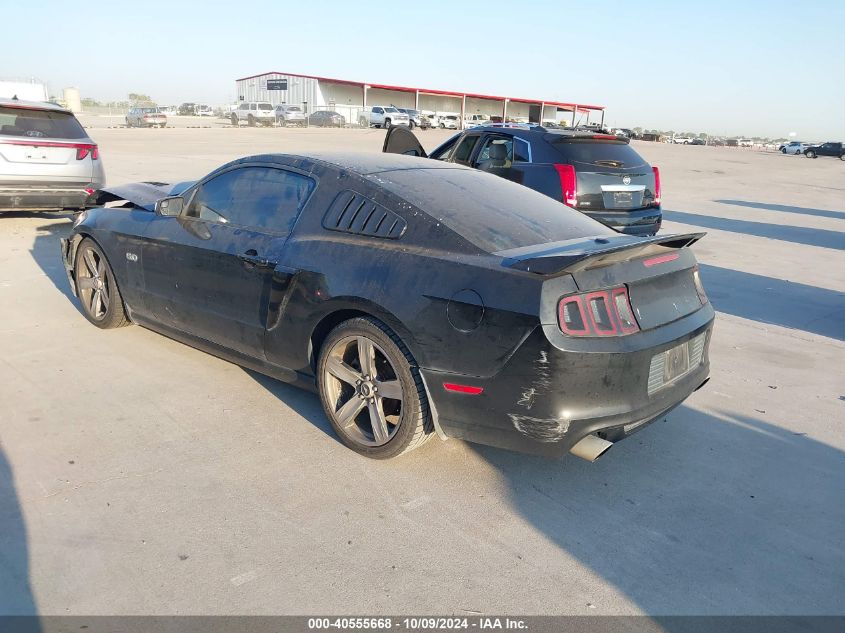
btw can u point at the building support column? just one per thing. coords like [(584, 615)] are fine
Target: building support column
[(417, 100), (504, 111), (602, 120), (463, 112), (366, 87), (542, 112), (574, 112)]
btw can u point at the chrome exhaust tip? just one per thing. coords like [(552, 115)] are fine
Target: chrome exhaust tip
[(590, 448)]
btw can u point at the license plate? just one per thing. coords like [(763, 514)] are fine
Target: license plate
[(622, 198), (676, 362)]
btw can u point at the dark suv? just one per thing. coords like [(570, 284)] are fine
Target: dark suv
[(600, 175), (826, 149)]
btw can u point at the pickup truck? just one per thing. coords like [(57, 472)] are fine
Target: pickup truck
[(826, 149), (382, 116)]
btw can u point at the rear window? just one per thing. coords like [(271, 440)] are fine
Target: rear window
[(265, 106), (39, 123), (491, 212), (293, 109), (598, 152)]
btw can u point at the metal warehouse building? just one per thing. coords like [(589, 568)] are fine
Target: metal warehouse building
[(350, 97)]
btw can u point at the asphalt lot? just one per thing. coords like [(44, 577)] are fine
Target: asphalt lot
[(140, 476)]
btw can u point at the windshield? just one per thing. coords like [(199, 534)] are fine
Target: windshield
[(493, 213), (39, 123), (391, 110)]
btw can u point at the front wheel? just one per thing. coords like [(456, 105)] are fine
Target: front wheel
[(372, 391), (783, 150), (97, 288), (810, 154), (386, 125), (250, 121), (234, 120), (442, 126)]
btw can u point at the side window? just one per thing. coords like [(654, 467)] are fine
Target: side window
[(258, 197), (378, 110), (243, 106), (521, 150), (253, 106), (442, 152), (497, 152), (464, 149)]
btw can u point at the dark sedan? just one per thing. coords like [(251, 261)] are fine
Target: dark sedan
[(326, 118), (414, 296), (598, 174)]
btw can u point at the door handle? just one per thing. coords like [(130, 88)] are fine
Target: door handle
[(250, 257)]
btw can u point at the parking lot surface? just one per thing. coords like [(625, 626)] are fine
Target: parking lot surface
[(140, 476)]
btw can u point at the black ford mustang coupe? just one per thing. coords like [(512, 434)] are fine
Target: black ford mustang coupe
[(414, 296)]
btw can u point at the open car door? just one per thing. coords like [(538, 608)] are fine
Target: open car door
[(400, 140)]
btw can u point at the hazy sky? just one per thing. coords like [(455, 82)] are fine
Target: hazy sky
[(737, 68)]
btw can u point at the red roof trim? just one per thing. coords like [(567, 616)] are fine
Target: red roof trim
[(430, 91)]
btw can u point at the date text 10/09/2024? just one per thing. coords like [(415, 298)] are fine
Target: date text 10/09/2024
[(416, 624)]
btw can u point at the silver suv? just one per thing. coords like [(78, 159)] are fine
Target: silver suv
[(289, 115), (254, 113), (47, 160)]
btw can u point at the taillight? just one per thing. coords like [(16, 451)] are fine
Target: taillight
[(601, 313), (568, 184), (656, 186), (699, 287), (83, 150)]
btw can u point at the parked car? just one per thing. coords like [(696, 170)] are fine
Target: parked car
[(600, 175), (698, 141), (682, 140), (326, 118), (571, 336), (289, 115), (473, 120), (793, 147), (187, 109), (204, 110), (433, 120), (145, 117), (169, 110), (830, 148), (383, 116), (47, 160), (745, 142), (623, 131), (449, 121), (416, 118), (254, 113)]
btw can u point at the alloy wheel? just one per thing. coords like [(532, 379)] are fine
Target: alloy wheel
[(94, 284), (363, 390)]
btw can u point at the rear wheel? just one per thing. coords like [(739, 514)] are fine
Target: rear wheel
[(97, 288), (386, 124), (250, 121), (371, 390), (234, 120), (783, 150), (810, 154), (442, 126)]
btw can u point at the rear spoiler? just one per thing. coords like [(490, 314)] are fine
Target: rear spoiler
[(575, 255)]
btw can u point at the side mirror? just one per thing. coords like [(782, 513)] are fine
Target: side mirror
[(170, 206)]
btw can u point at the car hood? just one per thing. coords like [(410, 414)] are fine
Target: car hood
[(140, 194)]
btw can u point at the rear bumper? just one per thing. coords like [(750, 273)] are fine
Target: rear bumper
[(44, 197), (546, 399), (636, 222)]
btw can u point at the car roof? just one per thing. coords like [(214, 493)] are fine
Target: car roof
[(529, 130), (31, 105), (362, 163)]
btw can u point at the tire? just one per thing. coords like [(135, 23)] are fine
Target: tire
[(411, 125), (234, 120), (810, 154), (783, 150), (93, 275), (842, 157), (386, 125), (393, 368), (442, 126), (250, 121)]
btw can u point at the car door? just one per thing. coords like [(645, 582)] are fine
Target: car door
[(400, 140), (209, 271)]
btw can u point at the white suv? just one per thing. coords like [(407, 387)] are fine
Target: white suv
[(383, 116), (254, 113)]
